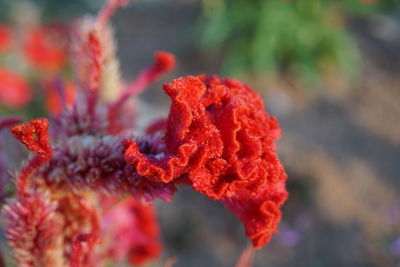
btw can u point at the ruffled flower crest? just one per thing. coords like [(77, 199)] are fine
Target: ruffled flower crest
[(219, 136)]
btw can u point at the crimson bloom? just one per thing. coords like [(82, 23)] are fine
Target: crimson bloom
[(14, 89), (46, 48), (5, 38), (220, 139)]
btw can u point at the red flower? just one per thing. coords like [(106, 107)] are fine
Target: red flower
[(134, 232), (34, 135), (5, 38), (14, 89), (220, 138), (46, 48)]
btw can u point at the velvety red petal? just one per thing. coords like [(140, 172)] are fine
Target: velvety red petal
[(260, 213), (34, 135)]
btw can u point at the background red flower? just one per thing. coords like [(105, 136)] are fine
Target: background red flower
[(14, 89), (46, 48)]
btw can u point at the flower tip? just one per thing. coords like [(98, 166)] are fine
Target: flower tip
[(34, 135), (164, 61)]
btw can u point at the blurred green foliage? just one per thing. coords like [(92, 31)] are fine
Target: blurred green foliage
[(300, 37), (53, 9)]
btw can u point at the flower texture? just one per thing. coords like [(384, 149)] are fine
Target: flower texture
[(220, 138), (87, 162)]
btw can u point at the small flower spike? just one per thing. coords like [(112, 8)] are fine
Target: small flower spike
[(95, 51), (34, 135), (163, 63), (220, 138), (34, 231)]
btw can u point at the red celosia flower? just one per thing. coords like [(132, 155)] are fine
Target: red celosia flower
[(95, 52), (134, 232), (5, 38), (46, 48), (14, 89), (86, 162), (34, 135), (34, 229), (219, 137)]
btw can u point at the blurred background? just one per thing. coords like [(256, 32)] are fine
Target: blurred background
[(328, 69)]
